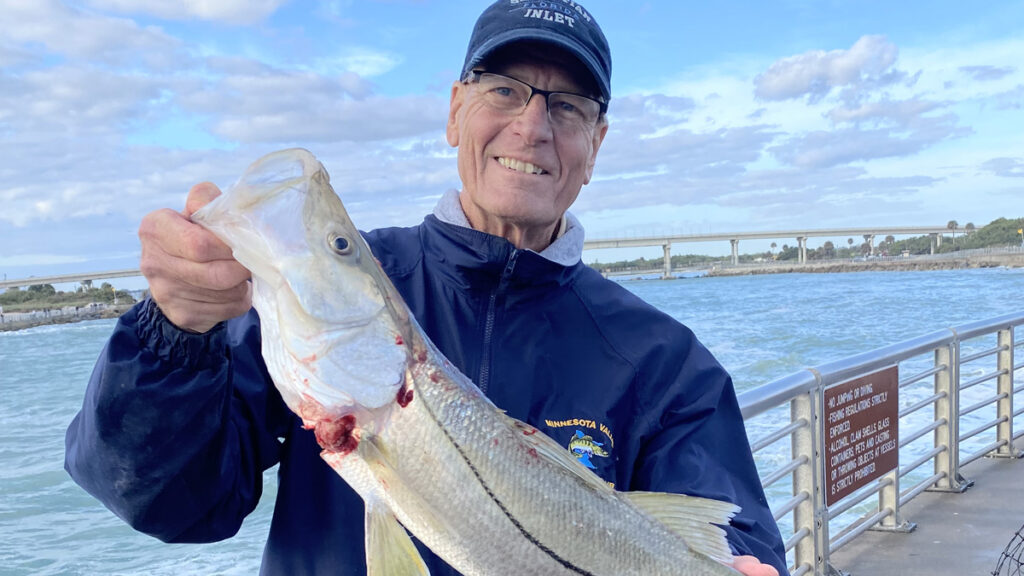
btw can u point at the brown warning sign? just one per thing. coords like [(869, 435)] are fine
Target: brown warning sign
[(861, 432)]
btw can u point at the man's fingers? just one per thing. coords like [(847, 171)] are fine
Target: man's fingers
[(751, 566), (177, 236), (199, 196), (193, 276), (213, 276)]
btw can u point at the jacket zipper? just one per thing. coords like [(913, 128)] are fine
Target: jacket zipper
[(492, 304)]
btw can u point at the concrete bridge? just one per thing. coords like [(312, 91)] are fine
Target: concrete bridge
[(68, 278), (665, 242), (801, 236)]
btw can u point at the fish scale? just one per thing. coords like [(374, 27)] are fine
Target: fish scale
[(415, 438)]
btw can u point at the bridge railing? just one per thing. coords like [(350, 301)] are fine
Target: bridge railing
[(956, 403)]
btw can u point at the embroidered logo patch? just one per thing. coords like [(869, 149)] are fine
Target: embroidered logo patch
[(584, 447), (583, 444)]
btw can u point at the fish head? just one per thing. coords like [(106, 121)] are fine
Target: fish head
[(333, 327)]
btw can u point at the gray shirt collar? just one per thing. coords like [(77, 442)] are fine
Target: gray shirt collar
[(566, 250)]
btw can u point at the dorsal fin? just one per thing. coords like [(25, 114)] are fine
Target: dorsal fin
[(694, 519)]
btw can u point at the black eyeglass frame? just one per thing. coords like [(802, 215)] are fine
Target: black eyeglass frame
[(474, 76)]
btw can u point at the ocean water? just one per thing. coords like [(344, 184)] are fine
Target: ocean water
[(760, 327)]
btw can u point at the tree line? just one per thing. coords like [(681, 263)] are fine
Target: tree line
[(40, 296)]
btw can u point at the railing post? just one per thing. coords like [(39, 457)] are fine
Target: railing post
[(947, 411), (811, 515), (889, 497), (1004, 387), (806, 481)]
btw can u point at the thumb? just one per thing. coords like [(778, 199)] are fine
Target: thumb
[(200, 195)]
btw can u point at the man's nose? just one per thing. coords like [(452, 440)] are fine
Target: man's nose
[(534, 123)]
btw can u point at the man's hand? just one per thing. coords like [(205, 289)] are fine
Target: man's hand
[(192, 275), (750, 566)]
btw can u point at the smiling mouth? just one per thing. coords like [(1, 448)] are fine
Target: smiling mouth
[(520, 166)]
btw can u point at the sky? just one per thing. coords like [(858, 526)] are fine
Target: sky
[(725, 116)]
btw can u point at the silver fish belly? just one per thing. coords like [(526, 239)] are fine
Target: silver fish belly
[(422, 446)]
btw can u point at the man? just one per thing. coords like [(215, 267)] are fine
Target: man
[(180, 419)]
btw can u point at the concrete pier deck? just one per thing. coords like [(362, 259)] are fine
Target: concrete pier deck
[(957, 534)]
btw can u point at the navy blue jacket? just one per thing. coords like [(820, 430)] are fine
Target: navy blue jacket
[(176, 428)]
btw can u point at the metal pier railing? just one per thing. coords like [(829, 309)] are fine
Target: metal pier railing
[(951, 400)]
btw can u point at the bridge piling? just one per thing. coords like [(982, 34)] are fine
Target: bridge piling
[(667, 272)]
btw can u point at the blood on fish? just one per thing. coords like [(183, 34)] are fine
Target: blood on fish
[(337, 435), (530, 432), (398, 340), (404, 396), (310, 410), (421, 355), (434, 377)]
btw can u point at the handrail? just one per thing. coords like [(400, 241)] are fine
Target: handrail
[(795, 410)]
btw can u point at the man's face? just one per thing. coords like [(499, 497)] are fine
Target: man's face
[(519, 172)]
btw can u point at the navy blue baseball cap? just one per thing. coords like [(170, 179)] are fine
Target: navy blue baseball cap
[(563, 23)]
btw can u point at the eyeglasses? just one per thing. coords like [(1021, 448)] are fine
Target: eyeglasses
[(565, 109)]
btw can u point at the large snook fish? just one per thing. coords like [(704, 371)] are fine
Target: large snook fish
[(412, 435)]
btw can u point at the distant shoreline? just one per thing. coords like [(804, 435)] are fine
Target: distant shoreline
[(943, 262), (98, 314), (921, 263)]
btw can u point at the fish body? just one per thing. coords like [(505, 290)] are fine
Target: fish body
[(414, 437)]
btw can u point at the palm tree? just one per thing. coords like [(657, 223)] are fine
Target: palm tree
[(951, 225), (774, 245), (889, 241)]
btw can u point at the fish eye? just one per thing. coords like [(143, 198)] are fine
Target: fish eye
[(340, 245)]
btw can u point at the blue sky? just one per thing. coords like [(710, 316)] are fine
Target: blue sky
[(726, 116)]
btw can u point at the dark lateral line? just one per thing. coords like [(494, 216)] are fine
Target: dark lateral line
[(522, 530)]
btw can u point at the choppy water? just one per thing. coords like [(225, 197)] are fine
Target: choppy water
[(760, 327)]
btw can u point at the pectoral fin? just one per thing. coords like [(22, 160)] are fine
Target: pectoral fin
[(693, 519), (389, 549)]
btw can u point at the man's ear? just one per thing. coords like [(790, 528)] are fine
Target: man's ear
[(454, 106), (599, 133)]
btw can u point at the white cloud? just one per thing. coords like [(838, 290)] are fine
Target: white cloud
[(1006, 167), (228, 11), (847, 145), (77, 35), (361, 61), (985, 73), (273, 105), (816, 73), (900, 113)]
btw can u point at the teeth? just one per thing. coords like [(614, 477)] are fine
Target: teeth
[(519, 166)]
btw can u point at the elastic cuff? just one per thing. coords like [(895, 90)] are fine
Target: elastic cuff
[(195, 351)]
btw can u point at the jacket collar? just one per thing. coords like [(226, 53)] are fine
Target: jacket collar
[(566, 250)]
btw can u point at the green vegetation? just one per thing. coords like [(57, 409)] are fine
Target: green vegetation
[(40, 296), (998, 233)]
